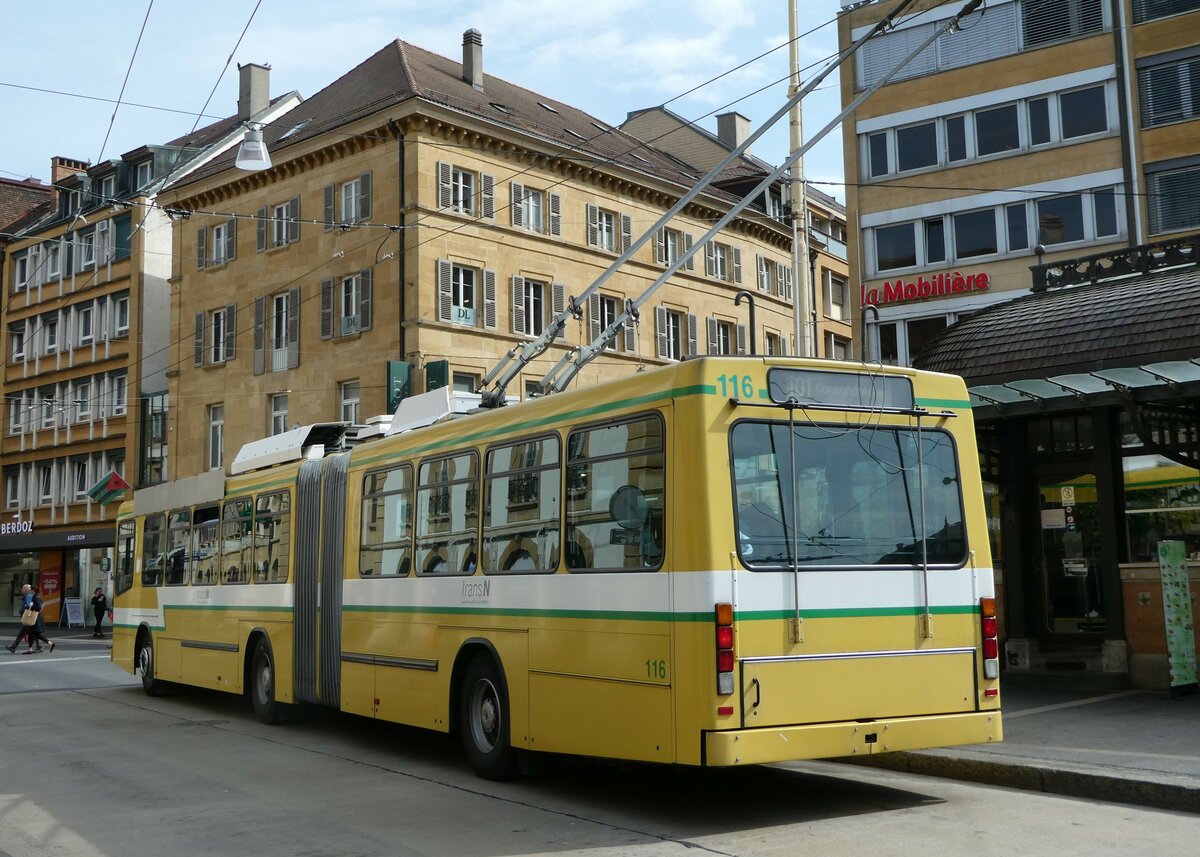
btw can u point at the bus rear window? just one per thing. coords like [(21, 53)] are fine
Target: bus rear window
[(859, 491)]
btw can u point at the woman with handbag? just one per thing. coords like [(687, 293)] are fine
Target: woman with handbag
[(36, 633), (28, 617)]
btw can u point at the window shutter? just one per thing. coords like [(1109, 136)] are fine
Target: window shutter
[(230, 239), (489, 299), (293, 230), (626, 232), (741, 339), (329, 212), (787, 283), (764, 276), (660, 330), (230, 332), (630, 333), (260, 334), (326, 325), (687, 245), (445, 286), (293, 327), (779, 275), (555, 214), (660, 246), (518, 201), (201, 247), (737, 264), (198, 341), (712, 335), (364, 197), (262, 229), (593, 227), (487, 198), (558, 305), (365, 283), (710, 258), (518, 304), (445, 197), (783, 346), (693, 343), (593, 317)]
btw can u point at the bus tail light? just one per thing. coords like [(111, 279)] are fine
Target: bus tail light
[(724, 617), (991, 643)]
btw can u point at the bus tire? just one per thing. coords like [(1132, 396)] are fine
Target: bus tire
[(145, 663), (262, 685), (483, 720)]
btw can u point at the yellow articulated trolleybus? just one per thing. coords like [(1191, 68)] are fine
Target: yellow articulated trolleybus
[(722, 562)]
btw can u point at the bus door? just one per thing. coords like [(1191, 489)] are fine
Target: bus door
[(320, 539), (857, 603)]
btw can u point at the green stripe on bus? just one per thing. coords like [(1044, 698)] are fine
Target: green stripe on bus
[(945, 403)]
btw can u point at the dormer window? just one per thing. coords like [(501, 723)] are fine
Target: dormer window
[(106, 189), (144, 172), (70, 202)]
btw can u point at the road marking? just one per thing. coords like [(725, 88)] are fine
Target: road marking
[(1008, 715), (1171, 756), (28, 659)]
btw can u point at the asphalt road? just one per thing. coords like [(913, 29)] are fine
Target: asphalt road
[(91, 766)]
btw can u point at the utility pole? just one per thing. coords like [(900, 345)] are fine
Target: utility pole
[(801, 300)]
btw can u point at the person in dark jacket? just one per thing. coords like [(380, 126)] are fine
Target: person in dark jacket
[(36, 634), (99, 607), (23, 631)]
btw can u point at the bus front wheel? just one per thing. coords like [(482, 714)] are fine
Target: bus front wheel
[(483, 720), (262, 684), (145, 662)]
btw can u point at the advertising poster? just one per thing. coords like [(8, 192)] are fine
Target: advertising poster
[(1177, 613)]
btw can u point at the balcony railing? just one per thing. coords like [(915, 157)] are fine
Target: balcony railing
[(828, 243)]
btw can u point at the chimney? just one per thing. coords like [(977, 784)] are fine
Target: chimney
[(472, 71), (254, 92), (733, 129), (60, 168)]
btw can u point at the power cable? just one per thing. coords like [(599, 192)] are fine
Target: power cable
[(124, 82)]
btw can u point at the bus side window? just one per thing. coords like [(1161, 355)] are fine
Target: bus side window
[(126, 536), (272, 527), (447, 519), (236, 527), (522, 502), (205, 523), (179, 537), (385, 536), (152, 550)]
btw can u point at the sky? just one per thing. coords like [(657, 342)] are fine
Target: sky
[(607, 58)]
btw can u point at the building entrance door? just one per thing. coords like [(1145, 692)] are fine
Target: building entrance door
[(1073, 591)]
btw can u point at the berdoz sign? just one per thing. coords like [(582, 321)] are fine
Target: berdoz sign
[(938, 285)]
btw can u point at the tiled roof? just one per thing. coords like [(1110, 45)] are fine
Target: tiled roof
[(401, 71), (1127, 322), (17, 198)]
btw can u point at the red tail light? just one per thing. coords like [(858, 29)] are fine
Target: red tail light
[(725, 657), (988, 633)]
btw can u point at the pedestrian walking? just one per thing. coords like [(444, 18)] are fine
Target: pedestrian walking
[(36, 633), (99, 607), (23, 631)]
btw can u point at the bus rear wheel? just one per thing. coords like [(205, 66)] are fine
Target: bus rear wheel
[(145, 663), (483, 720), (262, 684)]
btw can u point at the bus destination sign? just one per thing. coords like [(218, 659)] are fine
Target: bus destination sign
[(841, 389)]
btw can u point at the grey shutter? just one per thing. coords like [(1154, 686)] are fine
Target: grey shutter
[(230, 332), (489, 299), (778, 278), (487, 205), (201, 247), (518, 304), (764, 277), (445, 288), (710, 258), (626, 232), (518, 200), (329, 212), (687, 245), (660, 246), (445, 197), (741, 339), (198, 341), (555, 214), (293, 229), (262, 229), (364, 197), (593, 225), (260, 334), (230, 239), (326, 325), (365, 283), (593, 317), (783, 346), (660, 330), (787, 283), (630, 333), (558, 305), (293, 327), (737, 264), (713, 347), (693, 344)]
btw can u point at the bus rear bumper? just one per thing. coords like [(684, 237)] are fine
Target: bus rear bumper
[(831, 740)]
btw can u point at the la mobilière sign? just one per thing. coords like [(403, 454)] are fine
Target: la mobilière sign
[(938, 285)]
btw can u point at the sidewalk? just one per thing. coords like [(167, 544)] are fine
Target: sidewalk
[(1128, 746)]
